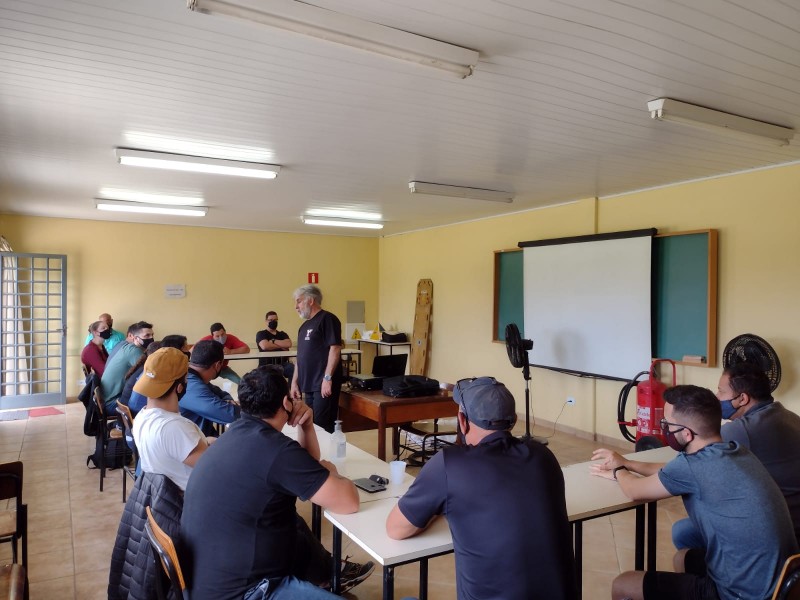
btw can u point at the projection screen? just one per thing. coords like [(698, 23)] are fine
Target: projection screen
[(587, 303)]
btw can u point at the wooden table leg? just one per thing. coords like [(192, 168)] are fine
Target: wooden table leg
[(382, 435)]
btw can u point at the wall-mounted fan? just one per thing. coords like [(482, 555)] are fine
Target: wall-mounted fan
[(750, 348), (517, 349)]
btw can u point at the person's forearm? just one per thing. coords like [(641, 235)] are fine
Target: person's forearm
[(643, 468), (307, 438), (334, 358), (283, 344)]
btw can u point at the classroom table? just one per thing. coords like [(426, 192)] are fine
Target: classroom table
[(587, 497), (388, 411), (379, 343), (349, 352)]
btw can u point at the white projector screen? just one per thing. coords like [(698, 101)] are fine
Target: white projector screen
[(587, 303)]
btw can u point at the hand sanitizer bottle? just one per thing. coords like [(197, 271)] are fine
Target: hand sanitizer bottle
[(338, 448)]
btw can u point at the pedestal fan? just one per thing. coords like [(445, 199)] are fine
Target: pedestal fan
[(517, 349), (750, 348)]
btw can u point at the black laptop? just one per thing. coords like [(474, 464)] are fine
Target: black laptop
[(387, 365)]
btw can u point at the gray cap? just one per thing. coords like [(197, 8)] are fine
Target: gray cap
[(486, 402)]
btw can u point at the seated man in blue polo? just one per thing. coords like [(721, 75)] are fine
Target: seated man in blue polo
[(204, 403), (504, 502), (730, 497)]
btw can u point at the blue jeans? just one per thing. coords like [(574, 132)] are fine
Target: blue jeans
[(230, 375), (686, 535), (288, 588)]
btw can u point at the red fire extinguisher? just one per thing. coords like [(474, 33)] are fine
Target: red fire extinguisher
[(649, 408)]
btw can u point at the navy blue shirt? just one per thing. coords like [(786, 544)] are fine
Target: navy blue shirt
[(504, 502), (238, 524)]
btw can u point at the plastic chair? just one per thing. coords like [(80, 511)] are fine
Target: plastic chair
[(788, 586), (127, 427), (14, 522), (105, 433), (164, 547)]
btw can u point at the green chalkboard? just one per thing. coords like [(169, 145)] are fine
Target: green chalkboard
[(508, 297), (684, 297), (684, 322)]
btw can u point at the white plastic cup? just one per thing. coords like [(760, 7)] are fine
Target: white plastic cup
[(397, 472)]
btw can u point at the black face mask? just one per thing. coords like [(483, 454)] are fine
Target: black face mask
[(105, 334), (146, 342), (182, 393), (272, 324)]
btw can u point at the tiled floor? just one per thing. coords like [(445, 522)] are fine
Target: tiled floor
[(73, 525)]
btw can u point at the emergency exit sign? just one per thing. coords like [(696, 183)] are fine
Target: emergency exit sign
[(313, 278)]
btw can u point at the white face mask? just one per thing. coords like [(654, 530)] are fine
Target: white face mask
[(221, 339)]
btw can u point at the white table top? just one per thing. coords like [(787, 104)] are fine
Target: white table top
[(586, 495), (279, 354), (382, 343), (589, 496)]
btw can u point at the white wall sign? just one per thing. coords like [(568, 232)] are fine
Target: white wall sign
[(175, 290)]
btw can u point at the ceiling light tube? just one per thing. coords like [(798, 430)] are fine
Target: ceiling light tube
[(343, 214), (153, 209), (342, 223), (666, 109), (455, 191), (197, 164), (313, 21), (107, 193)]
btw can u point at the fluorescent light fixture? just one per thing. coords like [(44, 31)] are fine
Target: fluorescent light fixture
[(153, 209), (342, 223), (455, 191), (194, 147), (108, 193), (666, 109), (196, 164), (305, 19), (343, 214)]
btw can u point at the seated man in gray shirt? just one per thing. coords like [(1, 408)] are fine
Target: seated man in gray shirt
[(766, 428), (729, 496)]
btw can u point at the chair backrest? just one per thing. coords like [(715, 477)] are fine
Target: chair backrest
[(99, 402), (165, 549), (11, 481), (86, 370), (788, 587), (127, 424)]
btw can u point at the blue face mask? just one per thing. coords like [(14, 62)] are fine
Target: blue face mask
[(728, 409)]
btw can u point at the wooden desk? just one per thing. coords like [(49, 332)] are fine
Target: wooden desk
[(388, 411)]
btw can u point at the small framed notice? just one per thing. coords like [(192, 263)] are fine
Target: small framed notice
[(175, 290)]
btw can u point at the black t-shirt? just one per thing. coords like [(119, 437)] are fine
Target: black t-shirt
[(504, 502), (265, 334), (314, 339), (238, 523)]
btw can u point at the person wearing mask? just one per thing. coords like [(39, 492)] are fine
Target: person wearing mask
[(230, 345), (729, 496), (94, 355), (114, 336), (204, 403), (124, 356), (272, 339), (133, 400)]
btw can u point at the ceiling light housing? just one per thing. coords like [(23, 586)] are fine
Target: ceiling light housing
[(125, 195), (342, 223), (305, 19), (343, 214), (455, 191), (151, 209), (196, 164), (666, 109)]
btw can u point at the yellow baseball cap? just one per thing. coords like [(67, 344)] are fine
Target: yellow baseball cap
[(161, 369)]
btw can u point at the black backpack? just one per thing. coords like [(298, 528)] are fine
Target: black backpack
[(116, 452), (410, 386)]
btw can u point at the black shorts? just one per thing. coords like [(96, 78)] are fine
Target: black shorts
[(694, 584)]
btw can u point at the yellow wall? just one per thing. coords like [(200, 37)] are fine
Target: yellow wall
[(231, 276), (757, 215)]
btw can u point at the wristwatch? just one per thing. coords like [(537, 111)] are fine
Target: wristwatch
[(614, 472), (327, 377)]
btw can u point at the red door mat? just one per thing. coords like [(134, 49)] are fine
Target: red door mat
[(44, 412)]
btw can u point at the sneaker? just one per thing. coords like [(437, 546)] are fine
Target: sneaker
[(354, 573)]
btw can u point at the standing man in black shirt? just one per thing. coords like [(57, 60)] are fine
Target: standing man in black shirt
[(318, 372)]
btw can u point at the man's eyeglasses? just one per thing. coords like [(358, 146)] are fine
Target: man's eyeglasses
[(665, 427)]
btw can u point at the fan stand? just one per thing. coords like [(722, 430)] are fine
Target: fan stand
[(526, 373)]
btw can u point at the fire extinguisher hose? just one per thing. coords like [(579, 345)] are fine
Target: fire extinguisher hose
[(622, 402)]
